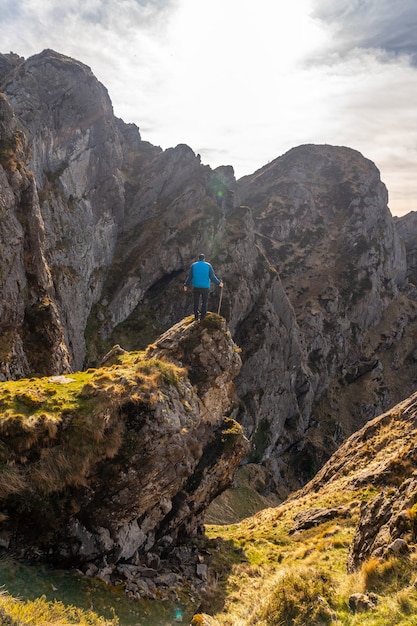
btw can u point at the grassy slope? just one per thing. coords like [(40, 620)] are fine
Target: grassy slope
[(266, 575)]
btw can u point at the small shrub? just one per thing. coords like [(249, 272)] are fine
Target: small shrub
[(386, 575), (404, 602), (213, 321), (412, 517), (300, 599)]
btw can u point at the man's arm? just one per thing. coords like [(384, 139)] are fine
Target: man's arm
[(214, 278), (189, 279)]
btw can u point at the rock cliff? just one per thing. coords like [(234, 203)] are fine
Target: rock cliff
[(108, 470), (94, 253), (380, 456), (321, 218), (407, 228), (32, 333)]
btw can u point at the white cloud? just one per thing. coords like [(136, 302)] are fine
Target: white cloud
[(384, 24), (243, 82)]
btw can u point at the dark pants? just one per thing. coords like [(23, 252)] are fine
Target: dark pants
[(197, 292)]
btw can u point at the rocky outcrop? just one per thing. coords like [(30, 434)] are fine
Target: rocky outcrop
[(314, 517), (117, 466), (381, 455), (386, 526)]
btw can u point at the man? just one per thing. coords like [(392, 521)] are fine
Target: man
[(199, 277)]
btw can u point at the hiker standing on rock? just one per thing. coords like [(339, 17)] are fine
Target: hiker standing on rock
[(199, 277)]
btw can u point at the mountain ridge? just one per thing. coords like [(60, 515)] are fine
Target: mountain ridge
[(97, 233), (317, 283)]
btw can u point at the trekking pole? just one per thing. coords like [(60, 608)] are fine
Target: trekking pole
[(186, 307), (220, 300)]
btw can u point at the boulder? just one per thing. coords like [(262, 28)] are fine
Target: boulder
[(123, 477)]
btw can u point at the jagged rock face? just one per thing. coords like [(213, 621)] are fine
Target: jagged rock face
[(32, 333), (386, 525), (314, 270), (321, 217), (155, 457), (406, 226), (76, 158), (169, 214)]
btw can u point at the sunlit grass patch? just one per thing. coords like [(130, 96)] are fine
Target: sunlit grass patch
[(32, 399), (300, 597), (388, 575), (299, 578), (399, 609), (61, 426), (39, 612)]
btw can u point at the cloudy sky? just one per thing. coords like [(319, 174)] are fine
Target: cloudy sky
[(243, 81)]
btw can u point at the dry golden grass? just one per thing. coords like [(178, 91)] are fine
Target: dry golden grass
[(392, 574), (39, 612), (270, 577), (11, 481)]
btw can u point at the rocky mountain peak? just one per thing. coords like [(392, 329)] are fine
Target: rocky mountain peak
[(321, 216), (317, 292)]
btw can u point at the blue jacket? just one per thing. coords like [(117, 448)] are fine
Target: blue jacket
[(200, 274)]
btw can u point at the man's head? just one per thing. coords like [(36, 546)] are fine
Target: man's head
[(201, 257)]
